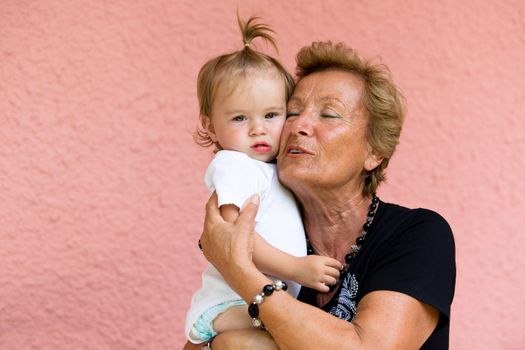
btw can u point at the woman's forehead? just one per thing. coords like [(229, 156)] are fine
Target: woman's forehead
[(328, 86)]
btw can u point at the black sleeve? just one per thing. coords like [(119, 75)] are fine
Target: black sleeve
[(418, 260)]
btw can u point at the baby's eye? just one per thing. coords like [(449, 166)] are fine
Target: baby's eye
[(239, 118), (270, 115)]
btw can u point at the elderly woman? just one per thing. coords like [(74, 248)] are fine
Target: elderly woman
[(397, 283)]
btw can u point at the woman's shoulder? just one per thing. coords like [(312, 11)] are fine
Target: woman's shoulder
[(397, 212), (417, 221)]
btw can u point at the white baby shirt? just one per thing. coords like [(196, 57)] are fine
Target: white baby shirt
[(235, 177)]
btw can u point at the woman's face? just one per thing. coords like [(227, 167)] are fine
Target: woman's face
[(323, 144)]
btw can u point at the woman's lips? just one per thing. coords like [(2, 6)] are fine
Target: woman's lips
[(295, 151)]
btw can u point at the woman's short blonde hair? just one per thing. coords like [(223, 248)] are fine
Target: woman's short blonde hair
[(382, 99), (224, 68)]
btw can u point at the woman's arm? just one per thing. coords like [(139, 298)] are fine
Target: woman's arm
[(384, 319), (255, 339), (252, 338)]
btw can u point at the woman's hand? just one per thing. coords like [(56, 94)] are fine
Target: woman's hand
[(229, 246)]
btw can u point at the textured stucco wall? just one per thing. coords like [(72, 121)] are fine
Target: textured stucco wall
[(101, 199)]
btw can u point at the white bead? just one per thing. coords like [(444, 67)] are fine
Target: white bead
[(278, 285), (256, 322), (258, 299)]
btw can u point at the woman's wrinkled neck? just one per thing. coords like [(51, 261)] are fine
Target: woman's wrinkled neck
[(333, 219)]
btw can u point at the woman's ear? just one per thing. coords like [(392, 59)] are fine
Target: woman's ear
[(372, 160), (208, 126)]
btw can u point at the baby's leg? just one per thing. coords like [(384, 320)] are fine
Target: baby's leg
[(235, 317)]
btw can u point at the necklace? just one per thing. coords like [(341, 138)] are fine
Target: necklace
[(355, 248)]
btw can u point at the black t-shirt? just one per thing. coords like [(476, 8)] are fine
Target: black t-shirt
[(406, 250)]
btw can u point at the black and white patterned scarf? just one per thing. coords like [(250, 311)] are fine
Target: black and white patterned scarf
[(346, 303)]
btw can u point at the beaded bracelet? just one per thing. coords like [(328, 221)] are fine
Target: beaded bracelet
[(253, 309)]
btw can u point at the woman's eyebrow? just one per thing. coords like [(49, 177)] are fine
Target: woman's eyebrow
[(332, 99), (294, 99)]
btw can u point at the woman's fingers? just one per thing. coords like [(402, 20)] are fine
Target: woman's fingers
[(246, 219), (212, 217), (213, 213)]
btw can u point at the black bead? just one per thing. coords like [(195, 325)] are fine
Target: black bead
[(348, 258), (371, 214), (268, 290), (373, 206), (253, 310), (285, 286), (360, 240), (366, 226), (309, 250), (375, 200)]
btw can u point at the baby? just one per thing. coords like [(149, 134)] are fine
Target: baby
[(242, 97)]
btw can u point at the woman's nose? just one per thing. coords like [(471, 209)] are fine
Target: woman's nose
[(302, 125)]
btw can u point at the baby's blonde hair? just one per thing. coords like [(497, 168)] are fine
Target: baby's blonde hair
[(233, 65)]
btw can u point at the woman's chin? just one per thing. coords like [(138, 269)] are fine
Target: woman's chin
[(294, 178)]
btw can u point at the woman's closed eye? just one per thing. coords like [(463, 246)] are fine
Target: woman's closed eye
[(330, 115), (291, 114)]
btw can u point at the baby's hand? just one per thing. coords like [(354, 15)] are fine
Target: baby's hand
[(317, 272)]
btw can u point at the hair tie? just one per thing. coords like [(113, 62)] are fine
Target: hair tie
[(247, 45)]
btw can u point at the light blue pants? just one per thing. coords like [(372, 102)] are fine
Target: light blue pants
[(202, 329)]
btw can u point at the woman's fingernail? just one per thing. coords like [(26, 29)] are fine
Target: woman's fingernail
[(255, 199)]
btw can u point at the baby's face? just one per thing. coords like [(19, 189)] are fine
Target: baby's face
[(248, 115)]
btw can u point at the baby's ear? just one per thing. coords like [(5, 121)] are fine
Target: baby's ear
[(208, 126)]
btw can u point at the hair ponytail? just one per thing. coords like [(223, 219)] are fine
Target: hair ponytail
[(251, 30)]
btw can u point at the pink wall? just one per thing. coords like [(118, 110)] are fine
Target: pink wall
[(101, 198)]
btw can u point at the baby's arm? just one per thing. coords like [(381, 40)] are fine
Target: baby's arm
[(313, 271)]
